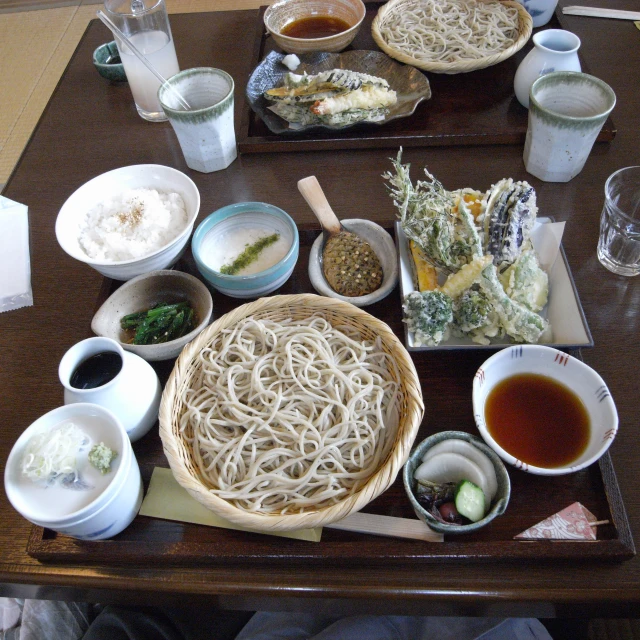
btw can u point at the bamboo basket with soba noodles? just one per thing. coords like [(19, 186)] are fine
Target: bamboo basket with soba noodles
[(451, 36), (290, 412)]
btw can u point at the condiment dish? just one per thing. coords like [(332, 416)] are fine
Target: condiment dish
[(283, 13), (384, 247), (145, 291), (106, 59), (502, 493), (97, 507), (570, 374), (98, 190), (132, 392), (228, 232)]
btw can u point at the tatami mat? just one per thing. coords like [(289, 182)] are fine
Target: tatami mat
[(35, 47)]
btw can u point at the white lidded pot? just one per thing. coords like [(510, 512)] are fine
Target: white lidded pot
[(553, 50), (98, 506), (133, 395)]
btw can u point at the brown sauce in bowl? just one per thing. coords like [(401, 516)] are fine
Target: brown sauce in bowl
[(538, 420), (315, 27)]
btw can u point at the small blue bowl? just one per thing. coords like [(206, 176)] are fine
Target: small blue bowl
[(217, 232)]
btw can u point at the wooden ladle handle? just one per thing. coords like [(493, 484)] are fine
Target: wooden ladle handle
[(312, 192)]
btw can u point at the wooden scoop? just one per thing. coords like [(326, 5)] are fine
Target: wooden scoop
[(348, 262)]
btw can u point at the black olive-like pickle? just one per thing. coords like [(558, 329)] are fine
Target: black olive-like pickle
[(351, 266)]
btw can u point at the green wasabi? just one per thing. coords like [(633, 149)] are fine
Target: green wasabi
[(249, 255), (101, 457)]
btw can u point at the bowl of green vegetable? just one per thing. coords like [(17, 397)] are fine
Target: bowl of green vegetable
[(156, 314), (247, 249), (456, 483)]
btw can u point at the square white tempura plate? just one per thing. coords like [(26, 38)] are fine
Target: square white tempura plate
[(564, 312)]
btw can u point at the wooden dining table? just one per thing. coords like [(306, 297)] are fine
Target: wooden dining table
[(90, 126)]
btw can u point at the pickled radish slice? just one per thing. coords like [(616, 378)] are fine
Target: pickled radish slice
[(456, 445), (452, 467)]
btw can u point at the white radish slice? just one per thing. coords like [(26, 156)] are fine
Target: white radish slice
[(452, 467), (464, 448)]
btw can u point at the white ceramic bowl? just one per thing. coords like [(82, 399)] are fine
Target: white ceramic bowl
[(284, 12), (133, 395), (90, 194), (383, 246), (565, 369), (106, 506), (142, 293)]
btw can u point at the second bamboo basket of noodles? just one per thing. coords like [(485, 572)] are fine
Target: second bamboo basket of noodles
[(451, 36)]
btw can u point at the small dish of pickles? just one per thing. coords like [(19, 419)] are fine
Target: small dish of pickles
[(456, 483)]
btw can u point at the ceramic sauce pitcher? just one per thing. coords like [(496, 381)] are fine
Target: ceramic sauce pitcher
[(131, 390), (553, 50)]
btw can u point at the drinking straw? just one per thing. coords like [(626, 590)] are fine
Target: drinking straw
[(107, 21)]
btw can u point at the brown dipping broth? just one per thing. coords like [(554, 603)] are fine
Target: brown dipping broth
[(315, 27), (538, 420)]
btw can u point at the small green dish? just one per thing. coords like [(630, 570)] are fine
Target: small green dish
[(499, 503), (106, 59)]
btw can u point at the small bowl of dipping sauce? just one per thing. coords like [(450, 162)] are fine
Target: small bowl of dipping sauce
[(302, 26), (246, 250), (542, 410), (73, 470)]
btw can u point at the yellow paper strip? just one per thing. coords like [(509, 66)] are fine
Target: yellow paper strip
[(166, 499)]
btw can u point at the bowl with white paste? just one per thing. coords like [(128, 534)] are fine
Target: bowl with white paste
[(247, 249)]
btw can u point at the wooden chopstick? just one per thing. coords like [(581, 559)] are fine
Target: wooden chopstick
[(387, 526), (595, 12)]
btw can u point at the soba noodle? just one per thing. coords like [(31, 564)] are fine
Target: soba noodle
[(284, 417), (450, 30)]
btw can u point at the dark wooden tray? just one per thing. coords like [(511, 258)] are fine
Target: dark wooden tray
[(466, 109), (446, 382)]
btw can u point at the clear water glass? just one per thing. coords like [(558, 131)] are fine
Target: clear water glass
[(146, 24), (619, 243)]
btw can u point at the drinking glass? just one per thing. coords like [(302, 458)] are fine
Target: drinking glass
[(146, 24), (619, 243)]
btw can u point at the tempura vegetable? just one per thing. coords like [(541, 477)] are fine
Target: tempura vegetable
[(479, 247)]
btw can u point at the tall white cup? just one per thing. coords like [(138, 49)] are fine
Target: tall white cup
[(566, 112), (206, 132), (146, 24)]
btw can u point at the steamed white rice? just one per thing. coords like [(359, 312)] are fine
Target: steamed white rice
[(132, 224)]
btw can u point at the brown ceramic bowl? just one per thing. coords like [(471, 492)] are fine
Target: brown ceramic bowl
[(142, 293), (284, 12)]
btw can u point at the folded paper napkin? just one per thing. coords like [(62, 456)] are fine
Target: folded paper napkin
[(15, 263), (575, 522)]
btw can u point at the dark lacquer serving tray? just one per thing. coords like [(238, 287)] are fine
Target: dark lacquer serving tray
[(446, 378), (465, 109)]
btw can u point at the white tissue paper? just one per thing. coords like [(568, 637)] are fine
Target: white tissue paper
[(15, 263)]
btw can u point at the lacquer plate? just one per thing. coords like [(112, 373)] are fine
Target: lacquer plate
[(410, 84)]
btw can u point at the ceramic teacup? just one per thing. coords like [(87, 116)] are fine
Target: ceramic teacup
[(205, 131), (566, 112)]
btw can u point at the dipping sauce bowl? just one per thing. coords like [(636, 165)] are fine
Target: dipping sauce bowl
[(570, 375)]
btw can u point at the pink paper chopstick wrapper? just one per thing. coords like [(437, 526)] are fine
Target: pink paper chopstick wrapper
[(572, 523)]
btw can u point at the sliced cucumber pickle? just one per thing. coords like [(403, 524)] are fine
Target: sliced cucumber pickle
[(470, 500)]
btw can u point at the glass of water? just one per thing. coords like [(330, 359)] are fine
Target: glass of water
[(619, 243), (146, 24)]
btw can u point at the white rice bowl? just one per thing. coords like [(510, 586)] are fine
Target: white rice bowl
[(96, 227)]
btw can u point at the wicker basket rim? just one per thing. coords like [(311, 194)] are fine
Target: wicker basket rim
[(409, 423), (525, 28)]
